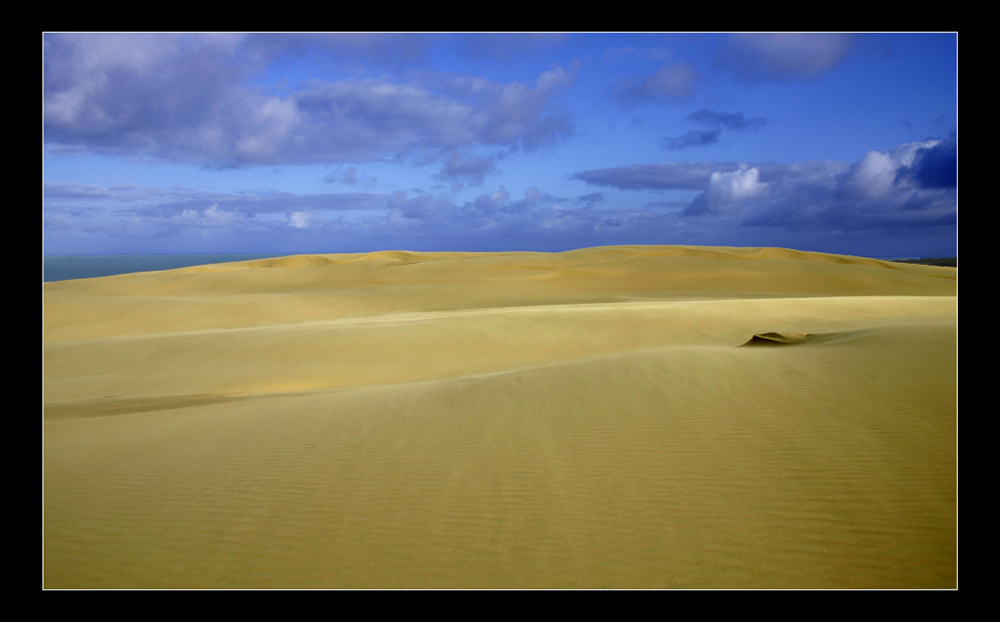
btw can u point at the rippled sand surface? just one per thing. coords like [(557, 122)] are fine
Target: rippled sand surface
[(615, 417)]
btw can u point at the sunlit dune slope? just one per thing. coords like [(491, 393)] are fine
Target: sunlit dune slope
[(581, 419), (322, 287)]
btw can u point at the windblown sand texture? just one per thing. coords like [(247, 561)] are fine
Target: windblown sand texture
[(615, 417)]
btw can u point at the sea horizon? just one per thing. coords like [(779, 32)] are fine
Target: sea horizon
[(64, 267)]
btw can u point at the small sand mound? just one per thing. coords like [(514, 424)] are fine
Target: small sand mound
[(781, 339)]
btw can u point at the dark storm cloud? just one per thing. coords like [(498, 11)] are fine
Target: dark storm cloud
[(189, 98), (935, 166)]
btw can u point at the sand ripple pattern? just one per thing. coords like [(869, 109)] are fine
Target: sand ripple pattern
[(597, 436)]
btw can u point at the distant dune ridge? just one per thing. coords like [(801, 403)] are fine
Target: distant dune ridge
[(586, 419)]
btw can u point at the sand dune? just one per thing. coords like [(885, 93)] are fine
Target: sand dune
[(586, 419)]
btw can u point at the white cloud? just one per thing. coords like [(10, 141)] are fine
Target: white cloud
[(210, 217), (874, 177), (727, 190), (189, 98), (272, 122), (299, 220)]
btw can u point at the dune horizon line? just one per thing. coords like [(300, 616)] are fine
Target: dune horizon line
[(235, 257)]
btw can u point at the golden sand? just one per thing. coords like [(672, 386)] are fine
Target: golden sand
[(600, 418)]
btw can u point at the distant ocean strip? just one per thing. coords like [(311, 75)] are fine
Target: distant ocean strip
[(66, 267)]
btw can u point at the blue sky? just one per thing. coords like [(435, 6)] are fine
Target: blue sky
[(351, 142)]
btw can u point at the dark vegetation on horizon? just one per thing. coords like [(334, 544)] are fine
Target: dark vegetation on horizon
[(948, 262)]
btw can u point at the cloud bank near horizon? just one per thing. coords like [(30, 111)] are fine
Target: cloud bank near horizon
[(910, 188), (912, 185)]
